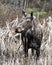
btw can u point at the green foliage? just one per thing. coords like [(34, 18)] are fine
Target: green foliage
[(50, 13), (42, 0), (45, 0), (37, 12), (42, 13)]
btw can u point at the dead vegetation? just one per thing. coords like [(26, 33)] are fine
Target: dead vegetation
[(11, 48)]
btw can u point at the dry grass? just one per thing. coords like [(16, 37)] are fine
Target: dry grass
[(11, 50)]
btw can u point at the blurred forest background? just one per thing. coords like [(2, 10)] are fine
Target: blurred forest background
[(10, 8), (10, 16)]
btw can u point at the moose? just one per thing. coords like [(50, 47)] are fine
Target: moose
[(31, 35)]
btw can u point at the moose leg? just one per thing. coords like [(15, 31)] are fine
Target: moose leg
[(26, 48), (26, 52), (38, 53), (32, 51)]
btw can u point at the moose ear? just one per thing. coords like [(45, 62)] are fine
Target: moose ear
[(31, 15), (24, 13)]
